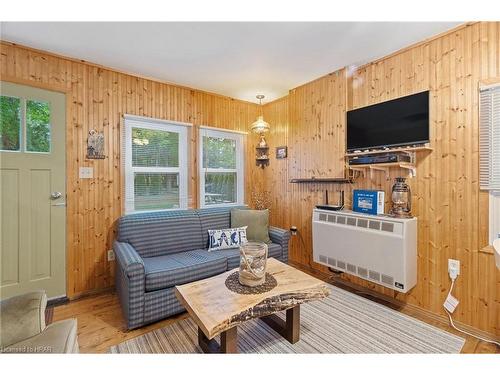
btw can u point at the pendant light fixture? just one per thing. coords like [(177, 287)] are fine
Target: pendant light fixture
[(260, 126)]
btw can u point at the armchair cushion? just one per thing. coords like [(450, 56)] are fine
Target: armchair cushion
[(174, 269), (22, 317), (58, 337)]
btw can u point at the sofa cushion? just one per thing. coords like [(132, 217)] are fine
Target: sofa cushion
[(230, 238), (233, 255), (256, 221), (166, 271), (214, 218), (161, 233)]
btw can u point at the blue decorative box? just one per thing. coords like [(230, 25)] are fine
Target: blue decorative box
[(368, 201)]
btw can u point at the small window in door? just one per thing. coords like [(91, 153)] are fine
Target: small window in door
[(37, 126), (10, 123), (24, 125)]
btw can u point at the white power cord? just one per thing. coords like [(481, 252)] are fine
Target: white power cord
[(449, 299)]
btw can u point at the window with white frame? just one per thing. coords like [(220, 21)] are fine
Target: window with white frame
[(221, 168), (489, 152), (155, 164)]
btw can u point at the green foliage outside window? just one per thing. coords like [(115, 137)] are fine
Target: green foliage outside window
[(37, 126), (10, 123), (219, 153), (154, 148)]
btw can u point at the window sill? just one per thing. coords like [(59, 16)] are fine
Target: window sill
[(223, 205)]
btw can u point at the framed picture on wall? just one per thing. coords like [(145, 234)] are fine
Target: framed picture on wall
[(281, 152)]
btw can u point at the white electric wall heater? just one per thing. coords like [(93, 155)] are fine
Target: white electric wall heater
[(380, 249)]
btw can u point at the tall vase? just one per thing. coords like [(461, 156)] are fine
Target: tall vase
[(253, 262)]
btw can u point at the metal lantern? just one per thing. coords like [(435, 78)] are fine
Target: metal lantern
[(401, 198), (253, 260)]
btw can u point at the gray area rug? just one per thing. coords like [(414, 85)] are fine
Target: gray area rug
[(341, 323)]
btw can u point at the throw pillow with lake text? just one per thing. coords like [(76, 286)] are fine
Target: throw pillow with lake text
[(220, 239)]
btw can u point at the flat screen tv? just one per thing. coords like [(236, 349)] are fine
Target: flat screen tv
[(399, 122)]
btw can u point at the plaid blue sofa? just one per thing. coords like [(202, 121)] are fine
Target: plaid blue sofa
[(156, 251)]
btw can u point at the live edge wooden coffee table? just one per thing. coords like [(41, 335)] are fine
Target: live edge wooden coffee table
[(218, 310)]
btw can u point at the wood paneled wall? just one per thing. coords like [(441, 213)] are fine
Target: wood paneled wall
[(452, 212), (96, 99)]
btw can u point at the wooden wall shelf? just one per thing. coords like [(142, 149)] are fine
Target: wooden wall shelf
[(400, 149), (410, 166), (385, 167), (314, 180)]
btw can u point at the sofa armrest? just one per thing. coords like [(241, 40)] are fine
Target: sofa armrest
[(130, 283), (281, 237), (22, 317), (128, 259)]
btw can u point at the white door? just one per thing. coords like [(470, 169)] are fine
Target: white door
[(33, 191)]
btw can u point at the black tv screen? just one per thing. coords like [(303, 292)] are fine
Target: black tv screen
[(398, 122)]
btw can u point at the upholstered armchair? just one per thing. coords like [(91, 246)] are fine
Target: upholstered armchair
[(23, 329)]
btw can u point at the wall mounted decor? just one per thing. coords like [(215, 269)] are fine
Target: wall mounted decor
[(281, 152), (95, 145)]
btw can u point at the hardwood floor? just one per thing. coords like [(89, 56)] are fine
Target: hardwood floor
[(101, 325)]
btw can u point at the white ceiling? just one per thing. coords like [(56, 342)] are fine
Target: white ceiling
[(239, 60)]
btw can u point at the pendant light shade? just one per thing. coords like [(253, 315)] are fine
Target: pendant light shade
[(260, 126)]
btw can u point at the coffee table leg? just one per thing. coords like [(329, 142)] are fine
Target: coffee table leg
[(228, 342), (289, 329)]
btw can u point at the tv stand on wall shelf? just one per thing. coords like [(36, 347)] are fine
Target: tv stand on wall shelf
[(385, 167)]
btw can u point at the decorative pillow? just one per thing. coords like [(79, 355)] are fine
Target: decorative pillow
[(257, 222), (220, 239)]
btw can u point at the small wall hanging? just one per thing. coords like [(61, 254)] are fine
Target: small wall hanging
[(95, 145), (281, 152)]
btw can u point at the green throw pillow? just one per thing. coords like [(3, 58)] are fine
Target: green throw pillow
[(256, 221)]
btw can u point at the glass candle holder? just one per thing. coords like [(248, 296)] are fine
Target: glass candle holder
[(253, 260)]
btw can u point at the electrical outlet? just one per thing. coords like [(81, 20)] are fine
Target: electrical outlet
[(111, 255), (453, 268)]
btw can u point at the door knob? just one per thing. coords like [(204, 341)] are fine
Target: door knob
[(55, 195)]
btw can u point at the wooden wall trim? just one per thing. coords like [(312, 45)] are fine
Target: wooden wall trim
[(226, 130), (127, 116), (39, 85)]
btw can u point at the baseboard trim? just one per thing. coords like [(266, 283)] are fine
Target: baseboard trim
[(57, 301), (91, 293), (396, 304)]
